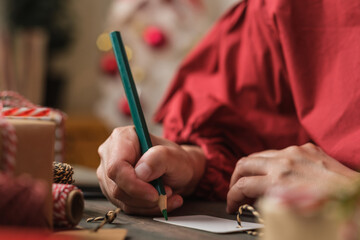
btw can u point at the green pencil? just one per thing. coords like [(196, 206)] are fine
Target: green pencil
[(135, 109)]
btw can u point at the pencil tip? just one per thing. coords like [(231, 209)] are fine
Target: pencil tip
[(164, 212)]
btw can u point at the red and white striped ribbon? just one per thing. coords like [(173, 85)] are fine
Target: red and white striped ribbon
[(26, 111)]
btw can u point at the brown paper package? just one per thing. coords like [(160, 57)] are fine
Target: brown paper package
[(35, 153)]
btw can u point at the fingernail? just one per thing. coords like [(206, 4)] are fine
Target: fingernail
[(143, 171)]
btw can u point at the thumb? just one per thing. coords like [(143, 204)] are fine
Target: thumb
[(152, 164)]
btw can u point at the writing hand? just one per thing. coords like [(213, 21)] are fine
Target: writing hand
[(124, 175)]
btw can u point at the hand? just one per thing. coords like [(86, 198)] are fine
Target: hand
[(300, 165), (124, 175)]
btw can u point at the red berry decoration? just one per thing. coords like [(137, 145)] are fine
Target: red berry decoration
[(123, 106), (108, 64), (154, 37)]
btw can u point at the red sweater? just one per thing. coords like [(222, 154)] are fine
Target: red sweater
[(270, 74)]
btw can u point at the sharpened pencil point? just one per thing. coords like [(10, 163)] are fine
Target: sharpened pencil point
[(163, 205), (164, 212)]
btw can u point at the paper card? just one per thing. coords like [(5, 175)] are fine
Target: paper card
[(210, 224)]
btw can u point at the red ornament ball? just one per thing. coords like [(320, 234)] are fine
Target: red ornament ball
[(108, 64), (123, 106), (154, 37)]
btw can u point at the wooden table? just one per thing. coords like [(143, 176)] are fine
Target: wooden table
[(140, 227)]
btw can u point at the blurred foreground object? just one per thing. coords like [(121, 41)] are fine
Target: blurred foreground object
[(304, 213), (28, 146), (34, 156), (22, 201), (13, 233)]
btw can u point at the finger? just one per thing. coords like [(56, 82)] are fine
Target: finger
[(175, 201), (164, 161), (119, 154), (126, 180), (134, 202), (249, 166), (116, 195), (122, 145), (246, 187), (101, 178), (266, 153)]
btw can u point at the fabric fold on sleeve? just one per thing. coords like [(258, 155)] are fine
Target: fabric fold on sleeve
[(228, 97)]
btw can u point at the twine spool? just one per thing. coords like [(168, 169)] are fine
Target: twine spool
[(68, 205)]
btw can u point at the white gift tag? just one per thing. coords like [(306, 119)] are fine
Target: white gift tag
[(210, 224)]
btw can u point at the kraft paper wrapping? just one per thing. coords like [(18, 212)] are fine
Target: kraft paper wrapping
[(282, 223), (35, 153)]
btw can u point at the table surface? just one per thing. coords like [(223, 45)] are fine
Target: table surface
[(140, 227)]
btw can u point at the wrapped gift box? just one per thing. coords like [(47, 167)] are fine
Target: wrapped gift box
[(35, 153), (39, 133)]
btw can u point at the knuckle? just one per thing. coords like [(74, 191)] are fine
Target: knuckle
[(99, 174), (238, 164), (163, 150), (115, 133), (284, 173), (112, 171), (287, 166), (241, 183), (310, 147), (115, 192), (101, 150), (287, 162), (241, 162), (123, 131), (294, 150), (131, 189), (244, 186)]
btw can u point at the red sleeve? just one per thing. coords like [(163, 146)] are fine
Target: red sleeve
[(231, 97)]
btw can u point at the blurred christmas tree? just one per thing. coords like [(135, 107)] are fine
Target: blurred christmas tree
[(157, 34), (45, 27)]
